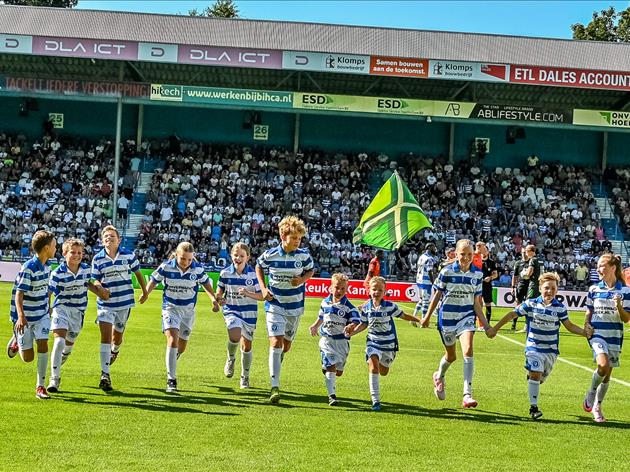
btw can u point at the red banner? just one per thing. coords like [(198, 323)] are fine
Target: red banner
[(396, 291), (400, 67), (563, 77)]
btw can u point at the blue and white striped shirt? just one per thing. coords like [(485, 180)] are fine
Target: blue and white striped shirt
[(459, 291), (426, 263), (236, 304), (282, 267), (606, 322), (543, 324), (115, 275), (381, 331), (32, 280), (336, 316), (70, 290), (180, 288)]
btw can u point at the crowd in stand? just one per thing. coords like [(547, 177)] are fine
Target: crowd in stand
[(215, 195), (620, 196), (60, 184)]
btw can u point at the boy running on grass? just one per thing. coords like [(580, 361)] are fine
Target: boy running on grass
[(377, 316), (30, 313), (69, 283), (112, 267), (335, 313), (289, 267), (543, 317)]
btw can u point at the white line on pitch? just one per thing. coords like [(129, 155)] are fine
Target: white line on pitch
[(518, 343)]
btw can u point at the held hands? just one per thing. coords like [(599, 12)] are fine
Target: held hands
[(424, 322), (267, 294), (221, 300), (215, 305), (491, 332), (588, 331), (349, 330), (104, 293), (143, 297)]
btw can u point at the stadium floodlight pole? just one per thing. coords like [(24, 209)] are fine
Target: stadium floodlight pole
[(296, 134), (451, 143), (117, 160)]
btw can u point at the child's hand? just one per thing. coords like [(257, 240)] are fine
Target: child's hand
[(104, 293), (424, 322), (267, 294), (221, 300), (617, 298), (297, 281), (215, 306), (20, 324), (313, 329), (348, 330), (588, 331), (491, 332), (143, 298)]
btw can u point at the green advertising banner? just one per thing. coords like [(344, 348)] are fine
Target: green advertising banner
[(358, 104), (611, 119), (221, 96)]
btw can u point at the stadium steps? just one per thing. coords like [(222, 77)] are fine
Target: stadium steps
[(136, 210), (611, 227)]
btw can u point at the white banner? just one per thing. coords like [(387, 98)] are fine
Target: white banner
[(8, 271), (575, 301), (458, 70), (325, 62)]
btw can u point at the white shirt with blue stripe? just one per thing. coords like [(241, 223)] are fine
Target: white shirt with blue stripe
[(282, 266), (426, 263), (607, 324), (70, 290), (459, 290), (543, 324), (381, 331), (32, 280), (236, 304), (180, 288), (336, 316), (115, 275)]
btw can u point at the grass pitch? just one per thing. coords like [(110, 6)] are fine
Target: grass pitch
[(212, 425)]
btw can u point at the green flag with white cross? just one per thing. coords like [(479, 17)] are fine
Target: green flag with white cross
[(392, 217)]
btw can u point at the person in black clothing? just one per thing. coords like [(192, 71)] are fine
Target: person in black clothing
[(520, 284), (534, 269), (490, 273)]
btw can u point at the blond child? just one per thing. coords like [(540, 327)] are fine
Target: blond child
[(335, 314), (69, 284), (182, 276), (288, 267), (377, 316), (237, 292), (543, 317)]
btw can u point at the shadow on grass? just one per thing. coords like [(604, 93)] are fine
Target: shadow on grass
[(185, 400), (164, 402)]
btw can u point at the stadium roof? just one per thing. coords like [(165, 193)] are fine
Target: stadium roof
[(282, 35)]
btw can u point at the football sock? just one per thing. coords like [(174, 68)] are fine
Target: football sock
[(115, 347), (375, 389), (444, 365), (42, 366), (469, 369), (275, 354), (330, 382), (601, 392), (534, 389), (246, 362), (106, 354), (67, 349), (231, 349), (488, 313), (58, 346), (596, 380), (171, 363)]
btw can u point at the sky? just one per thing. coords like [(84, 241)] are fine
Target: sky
[(549, 19)]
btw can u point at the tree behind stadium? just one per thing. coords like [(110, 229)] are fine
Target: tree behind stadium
[(219, 9), (606, 25), (43, 3)]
